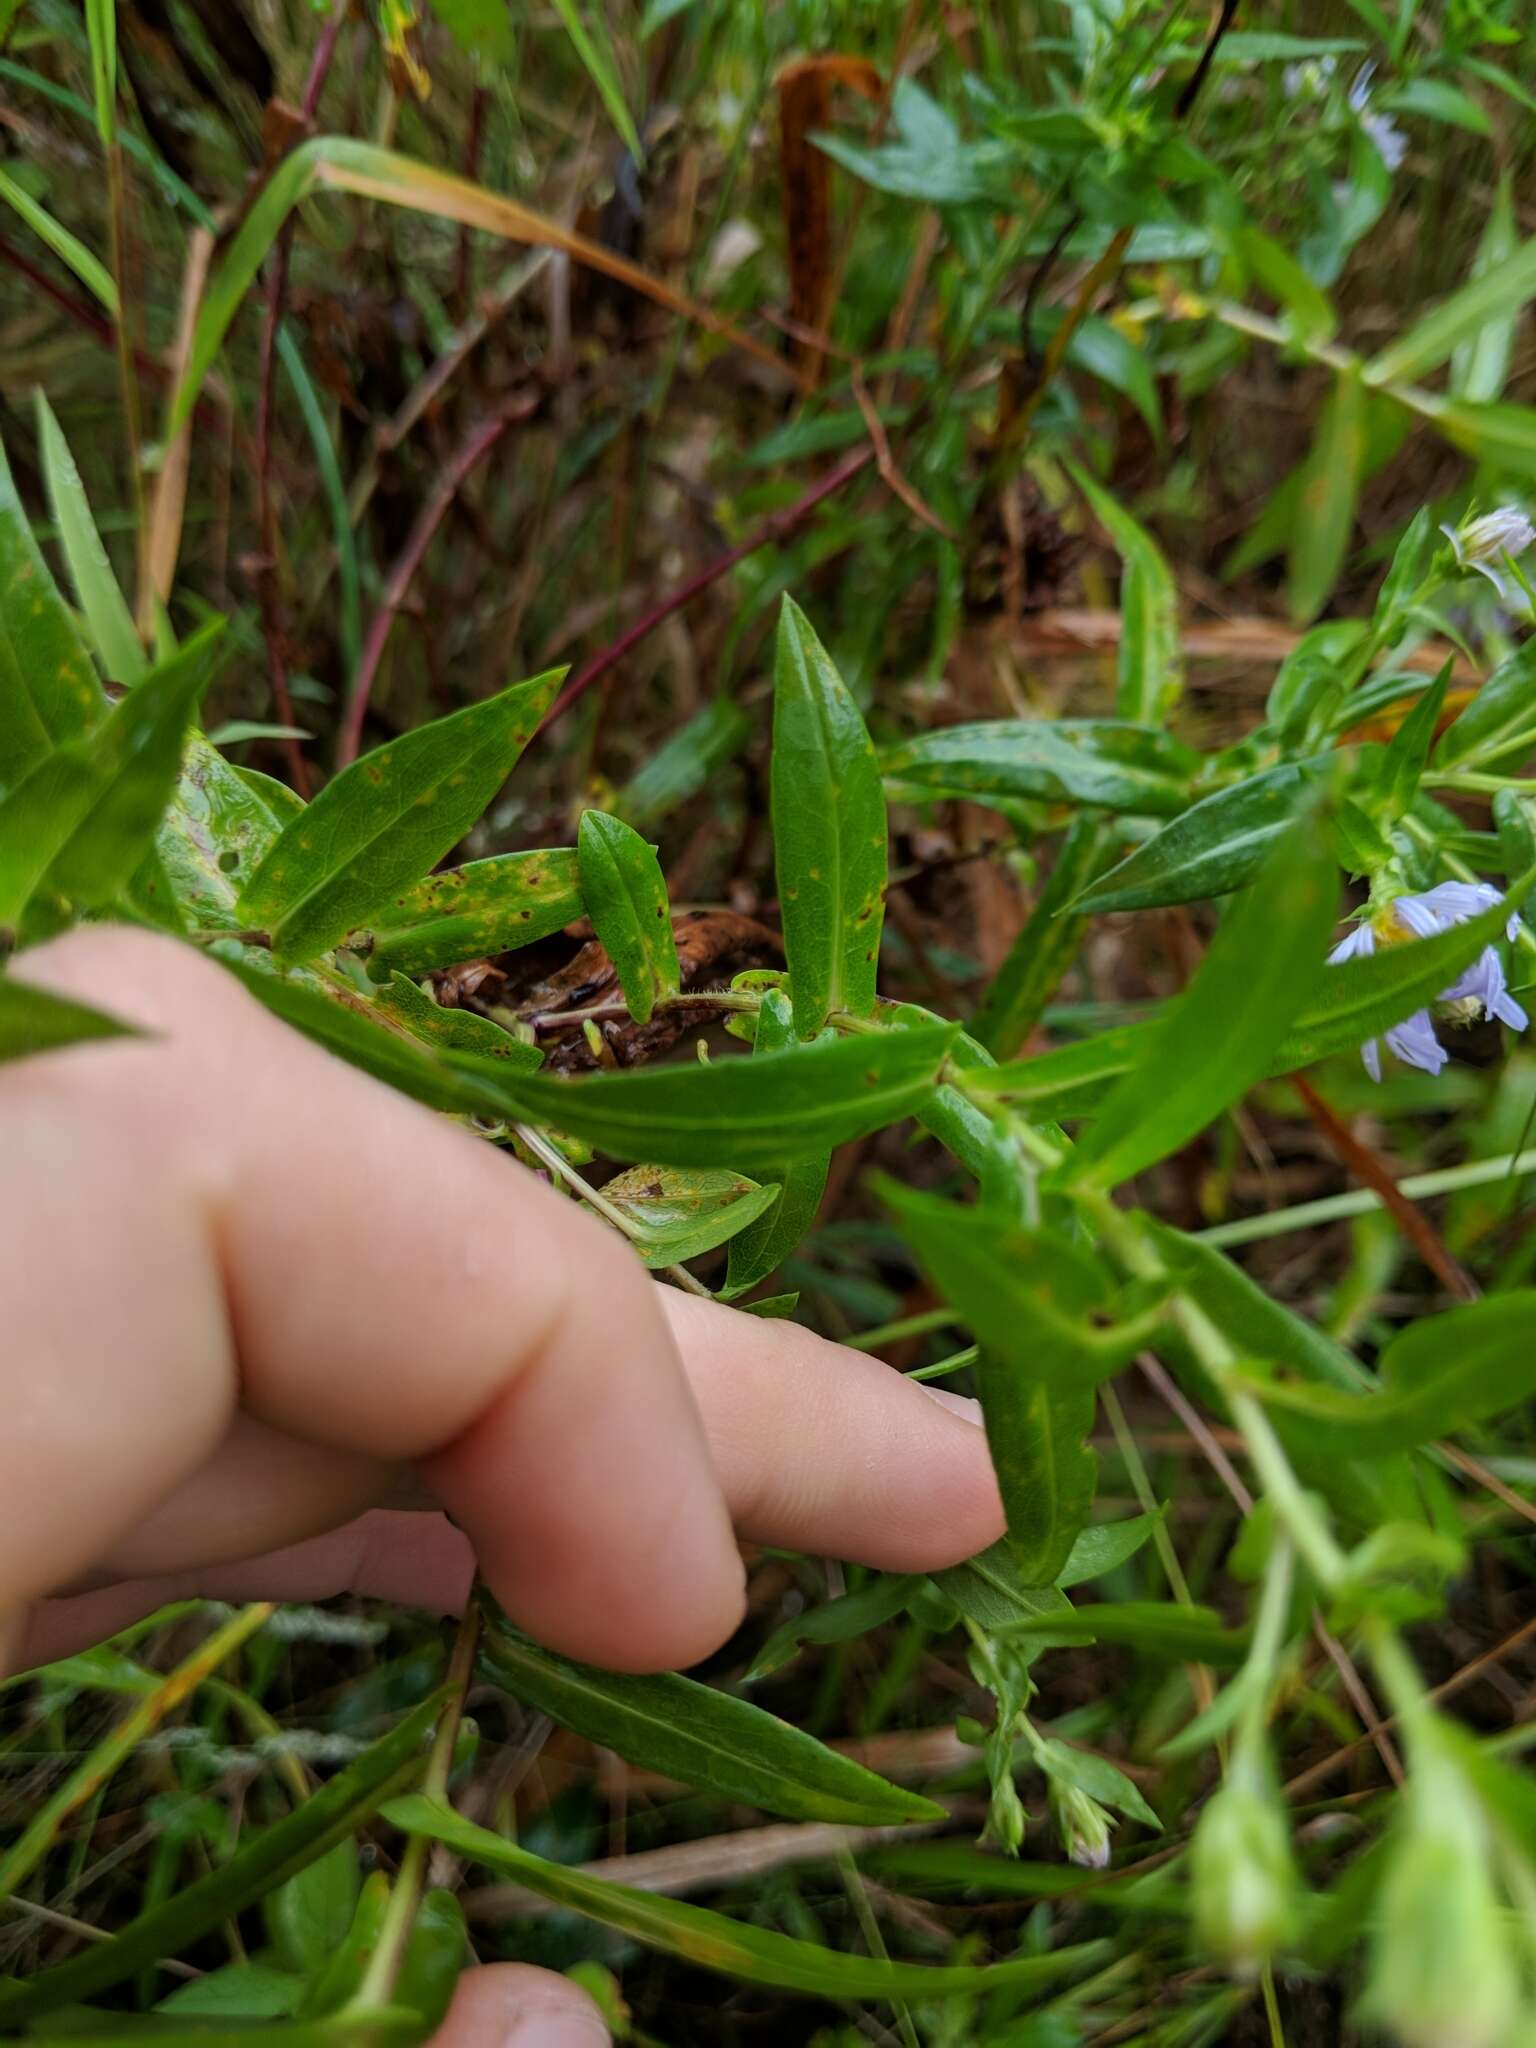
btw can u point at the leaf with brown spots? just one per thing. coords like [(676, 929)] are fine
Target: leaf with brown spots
[(386, 820)]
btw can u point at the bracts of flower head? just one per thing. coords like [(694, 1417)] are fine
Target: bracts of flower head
[(1490, 544), (1481, 991)]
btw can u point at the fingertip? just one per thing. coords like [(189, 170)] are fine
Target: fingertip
[(514, 2005)]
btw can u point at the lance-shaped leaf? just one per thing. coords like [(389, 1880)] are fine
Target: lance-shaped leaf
[(460, 1030), (1500, 718), (1151, 668), (748, 1113), (1197, 1635), (1403, 759), (1102, 762), (802, 1182), (386, 819), (676, 1213), (83, 820), (1320, 537), (735, 1948), (837, 1621), (989, 1590), (266, 1858), (486, 906), (106, 613), (1490, 297), (1031, 1297), (33, 1020), (1221, 1036), (626, 897), (216, 828), (1442, 1374), (1215, 846), (701, 1737), (828, 831), (48, 690)]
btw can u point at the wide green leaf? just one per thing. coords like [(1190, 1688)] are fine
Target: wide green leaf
[(1209, 1047), (676, 1213), (1215, 846), (1150, 677), (757, 1955), (1105, 1545), (266, 1858), (626, 898), (388, 818), (1032, 1298), (486, 906), (802, 1182), (33, 1020), (48, 690), (828, 831), (699, 1736), (218, 825), (1102, 762), (748, 1113), (83, 820), (1442, 1374), (1499, 720), (106, 613)]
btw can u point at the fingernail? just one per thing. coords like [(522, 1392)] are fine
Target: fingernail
[(957, 1404), (558, 2025)]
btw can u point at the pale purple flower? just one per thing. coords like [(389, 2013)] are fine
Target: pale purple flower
[(1482, 986), (1481, 544)]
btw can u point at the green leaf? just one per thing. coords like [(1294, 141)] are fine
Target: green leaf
[(1320, 537), (684, 764), (701, 1737), (1313, 318), (828, 831), (1360, 998), (1440, 1375), (757, 1955), (1220, 1037), (32, 1021), (626, 898), (597, 56), (676, 1213), (1031, 1297), (367, 2027), (1406, 754), (216, 828), (1503, 436), (836, 1621), (1045, 948), (751, 1114), (1151, 665), (1105, 1545), (1097, 761), (802, 1182), (1500, 719), (266, 1858), (1493, 296), (434, 1957), (486, 906), (482, 27), (1070, 1079), (253, 1991), (1438, 100), (1480, 363), (1096, 1776), (988, 1590), (69, 249), (309, 1915), (386, 819), (1216, 845), (49, 694), (1196, 1635), (339, 1978), (106, 613), (84, 819), (461, 1030)]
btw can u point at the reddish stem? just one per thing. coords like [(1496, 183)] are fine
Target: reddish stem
[(479, 442), (779, 527)]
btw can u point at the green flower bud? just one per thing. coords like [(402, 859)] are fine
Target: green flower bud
[(1244, 1878), (1442, 1975), (1082, 1823)]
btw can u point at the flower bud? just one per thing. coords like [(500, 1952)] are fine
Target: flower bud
[(1505, 532), (1082, 1824), (1442, 1975), (1244, 1878)]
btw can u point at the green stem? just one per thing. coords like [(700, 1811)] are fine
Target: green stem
[(1447, 1180)]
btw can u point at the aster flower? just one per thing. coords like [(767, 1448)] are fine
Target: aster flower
[(1481, 544), (1481, 990)]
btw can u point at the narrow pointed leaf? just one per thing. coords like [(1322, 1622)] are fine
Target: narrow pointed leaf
[(678, 1213), (756, 1955), (460, 1030), (828, 831), (703, 1738), (1102, 762), (385, 820), (1490, 297), (106, 613), (1499, 720), (33, 1020), (1221, 1036), (1151, 666), (626, 898), (836, 1621), (1329, 494), (48, 690)]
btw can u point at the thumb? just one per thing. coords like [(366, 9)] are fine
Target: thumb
[(513, 2005)]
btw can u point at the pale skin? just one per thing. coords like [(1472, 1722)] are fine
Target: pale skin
[(255, 1302)]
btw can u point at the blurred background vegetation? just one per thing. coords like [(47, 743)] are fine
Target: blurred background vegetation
[(960, 249)]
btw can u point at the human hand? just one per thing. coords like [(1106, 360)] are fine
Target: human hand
[(258, 1301)]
